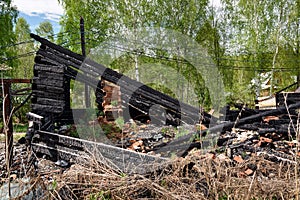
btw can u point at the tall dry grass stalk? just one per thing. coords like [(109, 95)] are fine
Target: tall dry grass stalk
[(197, 176), (296, 129)]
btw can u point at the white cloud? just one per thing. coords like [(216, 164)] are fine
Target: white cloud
[(216, 3), (51, 9), (52, 16)]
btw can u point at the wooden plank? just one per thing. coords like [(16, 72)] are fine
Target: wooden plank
[(8, 81), (37, 93), (56, 69), (291, 97), (67, 61), (45, 61), (120, 159), (58, 48), (50, 89), (47, 108), (51, 102), (55, 76), (48, 81)]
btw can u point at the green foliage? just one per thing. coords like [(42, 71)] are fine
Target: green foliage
[(45, 30), (163, 182), (114, 103), (20, 115), (8, 15), (260, 38), (107, 128), (224, 197), (20, 128), (53, 186), (24, 69), (241, 37), (181, 131), (103, 195), (16, 137), (123, 175), (120, 122), (109, 18)]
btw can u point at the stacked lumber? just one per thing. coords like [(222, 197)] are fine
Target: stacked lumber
[(50, 90)]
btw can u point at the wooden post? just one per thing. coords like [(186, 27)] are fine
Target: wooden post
[(7, 109), (7, 116), (86, 87)]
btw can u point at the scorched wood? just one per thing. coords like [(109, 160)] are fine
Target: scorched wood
[(93, 70)]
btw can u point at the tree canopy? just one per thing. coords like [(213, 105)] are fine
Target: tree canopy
[(45, 29), (8, 15)]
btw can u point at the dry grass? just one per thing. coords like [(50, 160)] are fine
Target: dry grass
[(194, 177)]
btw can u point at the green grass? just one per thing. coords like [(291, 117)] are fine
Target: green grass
[(20, 128), (16, 137)]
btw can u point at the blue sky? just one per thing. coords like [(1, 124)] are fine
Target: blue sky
[(37, 11)]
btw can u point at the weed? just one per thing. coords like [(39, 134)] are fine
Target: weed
[(114, 103), (123, 175), (53, 185), (100, 195), (181, 132)]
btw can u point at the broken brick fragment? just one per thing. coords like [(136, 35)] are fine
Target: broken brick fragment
[(238, 159), (265, 140), (249, 172), (267, 119)]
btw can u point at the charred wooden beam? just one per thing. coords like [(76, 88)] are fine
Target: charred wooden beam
[(55, 145), (92, 70)]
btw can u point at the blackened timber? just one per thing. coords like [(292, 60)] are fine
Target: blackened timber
[(65, 60), (138, 108), (117, 78), (51, 89), (120, 159), (56, 47), (63, 56), (145, 91), (62, 59), (47, 108), (56, 69), (251, 119), (47, 81), (57, 152), (53, 102), (55, 76), (44, 61), (125, 82), (38, 93), (287, 98)]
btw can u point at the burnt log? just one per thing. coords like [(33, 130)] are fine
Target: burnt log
[(38, 108)]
